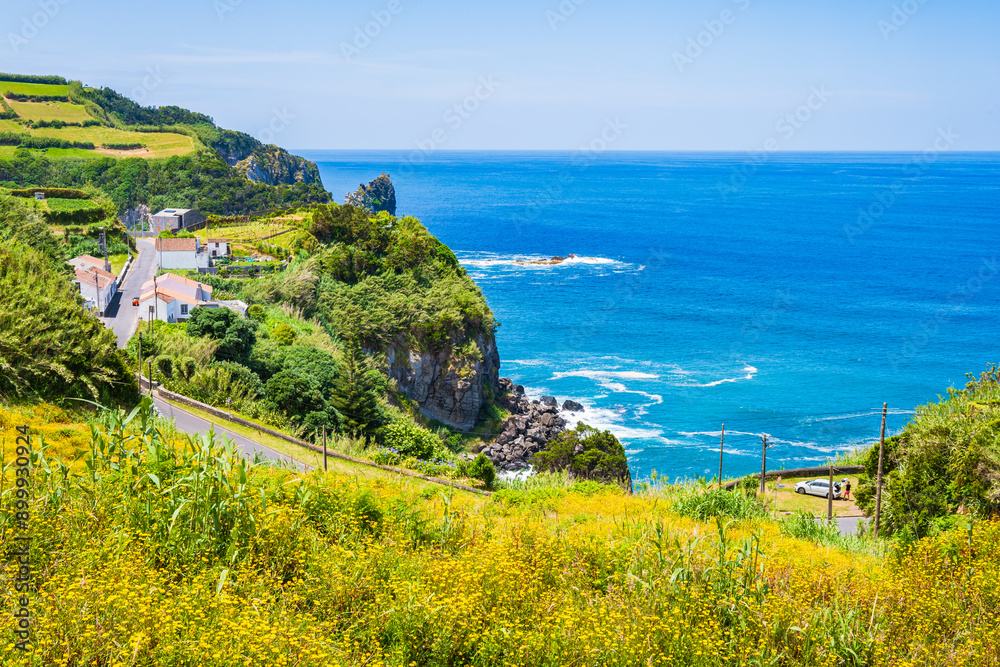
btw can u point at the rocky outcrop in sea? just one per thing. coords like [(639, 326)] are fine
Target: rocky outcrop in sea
[(379, 195), (529, 429)]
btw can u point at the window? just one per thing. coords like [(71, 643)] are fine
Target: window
[(184, 309)]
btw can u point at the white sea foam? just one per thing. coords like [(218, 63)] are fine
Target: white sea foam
[(606, 379), (531, 261), (601, 375), (750, 371), (858, 415)]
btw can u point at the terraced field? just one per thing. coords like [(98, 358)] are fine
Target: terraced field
[(33, 88), (156, 144), (64, 111)]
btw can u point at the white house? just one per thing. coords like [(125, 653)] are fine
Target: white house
[(97, 286), (217, 247), (88, 261), (171, 298), (182, 254)]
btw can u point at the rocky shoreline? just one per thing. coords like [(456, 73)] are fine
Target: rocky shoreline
[(529, 429)]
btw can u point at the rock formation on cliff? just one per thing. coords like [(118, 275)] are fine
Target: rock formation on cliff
[(447, 386), (379, 195)]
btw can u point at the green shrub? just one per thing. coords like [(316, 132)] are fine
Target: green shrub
[(408, 439), (284, 334), (805, 526), (165, 365), (257, 313), (587, 454), (483, 470), (700, 504)]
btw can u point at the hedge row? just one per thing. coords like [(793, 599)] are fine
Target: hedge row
[(83, 216), (32, 78), (28, 141), (123, 147), (6, 111), (26, 97), (52, 193), (59, 124)]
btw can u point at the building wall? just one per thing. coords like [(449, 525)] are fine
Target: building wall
[(89, 293), (177, 259)]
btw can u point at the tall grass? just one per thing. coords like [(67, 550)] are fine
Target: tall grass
[(704, 504)]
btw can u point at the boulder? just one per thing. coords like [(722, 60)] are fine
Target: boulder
[(572, 406), (549, 401)]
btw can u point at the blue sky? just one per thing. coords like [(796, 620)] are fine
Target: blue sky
[(671, 75)]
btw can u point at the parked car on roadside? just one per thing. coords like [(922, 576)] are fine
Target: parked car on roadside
[(818, 487)]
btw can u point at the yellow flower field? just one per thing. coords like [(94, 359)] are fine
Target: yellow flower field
[(158, 552)]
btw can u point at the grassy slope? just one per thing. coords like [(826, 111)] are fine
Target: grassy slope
[(338, 570)]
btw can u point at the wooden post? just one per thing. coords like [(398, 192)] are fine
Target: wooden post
[(324, 449), (878, 483), (151, 378), (722, 443), (763, 463), (829, 497)]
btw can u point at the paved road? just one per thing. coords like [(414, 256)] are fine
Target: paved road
[(121, 316), (191, 424)]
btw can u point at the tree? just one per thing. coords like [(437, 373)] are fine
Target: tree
[(357, 393), (50, 347), (299, 396), (588, 454), (236, 335)]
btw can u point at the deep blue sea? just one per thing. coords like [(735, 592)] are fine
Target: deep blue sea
[(789, 295)]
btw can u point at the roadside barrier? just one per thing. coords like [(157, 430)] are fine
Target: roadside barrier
[(228, 416)]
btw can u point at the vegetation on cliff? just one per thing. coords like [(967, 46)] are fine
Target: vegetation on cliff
[(945, 462), (157, 156), (587, 454), (50, 347)]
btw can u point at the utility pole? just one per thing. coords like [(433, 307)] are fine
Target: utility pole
[(722, 443), (763, 463), (878, 484), (140, 362), (97, 289), (324, 449), (829, 497), (104, 246)]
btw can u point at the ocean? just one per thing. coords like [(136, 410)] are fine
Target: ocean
[(786, 294)]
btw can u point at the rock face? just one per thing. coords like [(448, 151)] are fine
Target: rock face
[(134, 217), (263, 163), (527, 431), (379, 195), (275, 166), (447, 387)]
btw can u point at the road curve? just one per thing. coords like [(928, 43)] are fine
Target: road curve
[(192, 424)]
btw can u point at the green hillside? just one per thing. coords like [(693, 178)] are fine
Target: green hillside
[(59, 133)]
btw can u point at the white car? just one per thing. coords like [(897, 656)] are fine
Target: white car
[(818, 487)]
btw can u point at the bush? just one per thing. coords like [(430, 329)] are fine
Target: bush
[(483, 470), (257, 313), (409, 439), (165, 365), (805, 526), (587, 454), (284, 334), (703, 505)]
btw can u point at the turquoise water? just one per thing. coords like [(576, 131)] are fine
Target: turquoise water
[(718, 289)]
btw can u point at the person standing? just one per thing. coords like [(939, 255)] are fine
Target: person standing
[(847, 489)]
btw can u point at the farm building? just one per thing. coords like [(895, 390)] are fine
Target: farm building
[(174, 219), (171, 298)]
